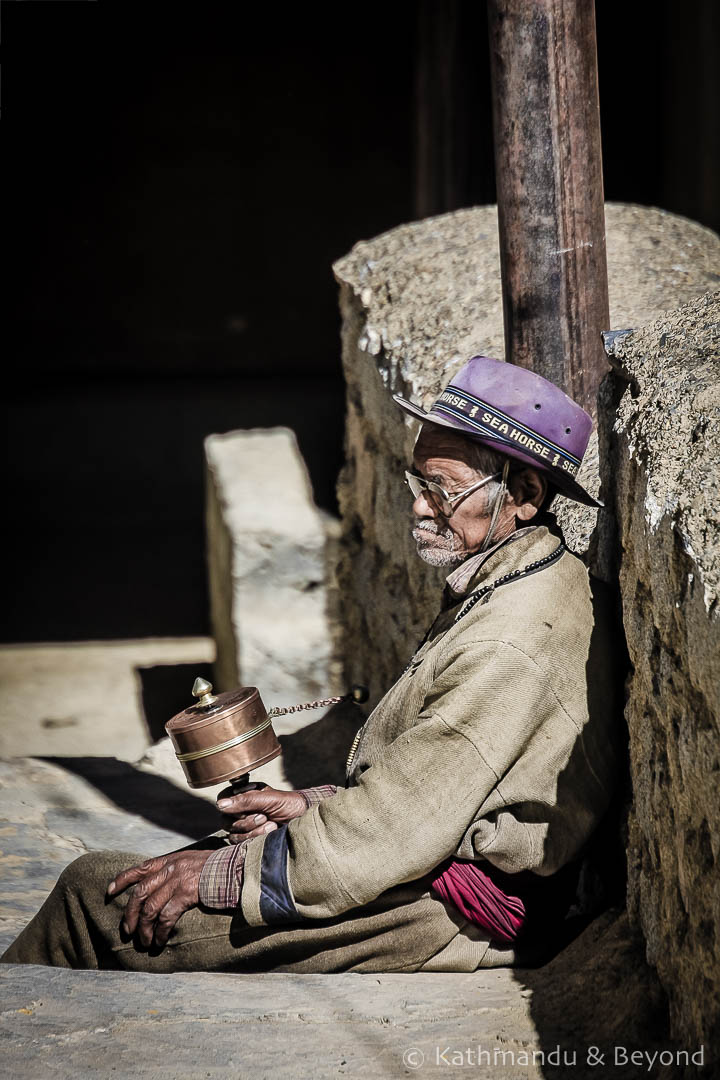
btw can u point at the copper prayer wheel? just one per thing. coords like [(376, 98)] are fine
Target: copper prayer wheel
[(222, 737)]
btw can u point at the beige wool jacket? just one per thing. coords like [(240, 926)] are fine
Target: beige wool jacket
[(499, 742)]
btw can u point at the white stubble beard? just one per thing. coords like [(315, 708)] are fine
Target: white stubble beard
[(445, 548)]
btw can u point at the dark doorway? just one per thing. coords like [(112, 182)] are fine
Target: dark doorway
[(182, 180)]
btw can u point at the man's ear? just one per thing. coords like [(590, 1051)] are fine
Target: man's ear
[(528, 488)]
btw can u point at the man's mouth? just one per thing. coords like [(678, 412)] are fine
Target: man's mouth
[(436, 546), (428, 534)]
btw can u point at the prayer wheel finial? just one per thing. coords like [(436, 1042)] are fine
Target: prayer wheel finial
[(202, 690)]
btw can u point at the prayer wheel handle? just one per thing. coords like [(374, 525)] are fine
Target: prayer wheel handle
[(243, 783)]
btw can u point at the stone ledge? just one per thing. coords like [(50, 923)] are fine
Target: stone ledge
[(271, 559), (286, 1025), (275, 1024)]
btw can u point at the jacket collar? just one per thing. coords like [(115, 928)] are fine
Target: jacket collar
[(513, 553), (457, 583)]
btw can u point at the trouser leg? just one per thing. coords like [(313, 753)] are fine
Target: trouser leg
[(79, 926)]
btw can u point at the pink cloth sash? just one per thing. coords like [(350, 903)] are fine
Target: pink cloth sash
[(478, 898)]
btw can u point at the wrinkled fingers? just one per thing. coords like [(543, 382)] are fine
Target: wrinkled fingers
[(134, 874), (151, 911), (140, 895), (247, 823), (240, 831), (166, 920)]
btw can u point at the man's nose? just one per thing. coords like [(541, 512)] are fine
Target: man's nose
[(423, 507)]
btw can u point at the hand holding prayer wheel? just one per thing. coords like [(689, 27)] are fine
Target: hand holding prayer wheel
[(223, 737), (254, 812)]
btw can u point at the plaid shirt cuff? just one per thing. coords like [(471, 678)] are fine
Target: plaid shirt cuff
[(221, 878), (314, 795)]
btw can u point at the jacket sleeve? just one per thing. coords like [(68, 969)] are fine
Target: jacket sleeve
[(486, 708)]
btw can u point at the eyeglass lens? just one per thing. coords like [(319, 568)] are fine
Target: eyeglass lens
[(433, 492)]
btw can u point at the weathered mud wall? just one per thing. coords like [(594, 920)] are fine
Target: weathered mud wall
[(417, 302), (664, 452)]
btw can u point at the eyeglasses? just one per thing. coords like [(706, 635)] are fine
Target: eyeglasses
[(437, 496)]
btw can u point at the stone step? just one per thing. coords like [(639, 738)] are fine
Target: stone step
[(61, 1023)]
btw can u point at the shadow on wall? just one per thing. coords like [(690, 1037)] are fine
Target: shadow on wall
[(596, 991), (595, 995), (317, 753), (314, 755)]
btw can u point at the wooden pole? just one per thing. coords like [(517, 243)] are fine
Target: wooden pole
[(548, 165)]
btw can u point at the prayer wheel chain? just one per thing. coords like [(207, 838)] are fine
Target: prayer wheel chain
[(358, 694), (322, 703)]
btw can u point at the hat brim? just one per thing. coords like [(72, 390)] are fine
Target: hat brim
[(565, 485)]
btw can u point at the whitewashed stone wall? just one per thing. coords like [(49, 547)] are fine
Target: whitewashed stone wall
[(271, 559)]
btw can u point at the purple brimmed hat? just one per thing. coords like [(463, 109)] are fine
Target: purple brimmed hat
[(515, 412)]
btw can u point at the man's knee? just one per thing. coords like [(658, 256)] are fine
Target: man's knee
[(93, 872)]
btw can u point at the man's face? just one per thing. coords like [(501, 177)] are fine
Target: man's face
[(442, 456)]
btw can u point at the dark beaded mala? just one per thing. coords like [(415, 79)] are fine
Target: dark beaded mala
[(480, 594), (531, 568)]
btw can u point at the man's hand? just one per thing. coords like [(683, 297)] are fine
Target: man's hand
[(163, 889), (256, 812)]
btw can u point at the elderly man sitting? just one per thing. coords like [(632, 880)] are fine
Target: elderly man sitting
[(473, 787)]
